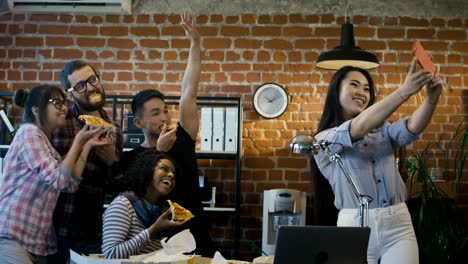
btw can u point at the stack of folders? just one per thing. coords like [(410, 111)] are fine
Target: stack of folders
[(219, 128)]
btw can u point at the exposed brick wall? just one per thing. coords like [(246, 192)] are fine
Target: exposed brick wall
[(240, 53)]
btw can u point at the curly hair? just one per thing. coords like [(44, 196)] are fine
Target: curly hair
[(141, 172)]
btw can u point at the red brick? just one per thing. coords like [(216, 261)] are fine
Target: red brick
[(234, 31), (248, 19), (145, 31), (413, 22), (280, 19), (53, 29), (208, 31), (456, 22), (216, 19), (128, 19), (327, 32), (297, 31), (14, 29), (327, 19), (83, 30), (96, 20), (114, 31), (266, 31), (309, 44), (90, 42), (112, 19), (277, 44), (232, 56), (173, 19), (68, 54), (29, 41), (216, 43), (6, 41), (59, 41), (121, 43), (452, 35), (247, 43), (154, 43), (143, 19), (173, 31), (43, 17), (159, 19), (81, 19), (421, 33)]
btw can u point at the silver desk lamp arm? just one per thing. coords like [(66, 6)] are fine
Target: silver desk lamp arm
[(307, 144), (363, 200)]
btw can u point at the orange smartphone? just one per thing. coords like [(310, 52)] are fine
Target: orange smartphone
[(423, 58)]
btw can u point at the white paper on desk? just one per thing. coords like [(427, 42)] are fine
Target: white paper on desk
[(218, 129), (219, 259), (173, 249), (206, 128), (230, 135)]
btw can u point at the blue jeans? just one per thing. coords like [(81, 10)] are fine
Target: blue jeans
[(392, 238), (81, 247)]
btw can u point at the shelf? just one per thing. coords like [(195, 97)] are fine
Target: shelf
[(219, 209)]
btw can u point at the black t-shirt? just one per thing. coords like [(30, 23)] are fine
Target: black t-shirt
[(186, 191)]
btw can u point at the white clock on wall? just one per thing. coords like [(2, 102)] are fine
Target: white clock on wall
[(270, 100)]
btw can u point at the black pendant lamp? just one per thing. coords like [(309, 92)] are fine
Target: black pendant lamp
[(347, 53)]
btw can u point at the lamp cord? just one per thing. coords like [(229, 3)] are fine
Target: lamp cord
[(347, 12)]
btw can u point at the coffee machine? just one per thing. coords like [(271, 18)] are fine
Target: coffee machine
[(281, 207)]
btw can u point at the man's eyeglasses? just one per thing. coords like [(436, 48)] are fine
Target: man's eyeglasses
[(59, 103), (81, 87)]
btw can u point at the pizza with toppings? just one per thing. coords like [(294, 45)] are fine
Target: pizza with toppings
[(94, 121), (179, 213)]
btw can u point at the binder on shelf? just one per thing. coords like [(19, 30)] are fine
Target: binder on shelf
[(230, 135), (218, 129), (206, 128)]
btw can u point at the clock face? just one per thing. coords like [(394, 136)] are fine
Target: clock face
[(270, 100)]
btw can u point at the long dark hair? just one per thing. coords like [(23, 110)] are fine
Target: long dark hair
[(332, 111), (141, 174), (37, 97)]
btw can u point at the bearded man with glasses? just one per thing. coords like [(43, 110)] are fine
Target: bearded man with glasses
[(78, 216)]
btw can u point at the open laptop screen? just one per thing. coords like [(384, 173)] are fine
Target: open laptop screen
[(321, 244)]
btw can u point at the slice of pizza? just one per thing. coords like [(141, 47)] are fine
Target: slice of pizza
[(95, 97), (171, 127), (180, 213), (94, 121)]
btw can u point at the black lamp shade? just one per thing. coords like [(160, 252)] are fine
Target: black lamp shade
[(347, 53)]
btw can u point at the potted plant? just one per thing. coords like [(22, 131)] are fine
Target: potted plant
[(433, 211)]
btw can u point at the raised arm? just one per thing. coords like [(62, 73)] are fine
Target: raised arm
[(376, 114), (188, 111), (423, 115)]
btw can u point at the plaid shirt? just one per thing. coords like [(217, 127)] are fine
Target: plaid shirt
[(78, 216), (29, 188)]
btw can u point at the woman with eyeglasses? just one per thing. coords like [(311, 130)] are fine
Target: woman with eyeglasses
[(35, 174), (136, 220)]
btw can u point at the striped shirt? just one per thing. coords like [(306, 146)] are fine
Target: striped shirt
[(124, 234), (29, 188)]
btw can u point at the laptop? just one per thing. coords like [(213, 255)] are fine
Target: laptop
[(321, 245)]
